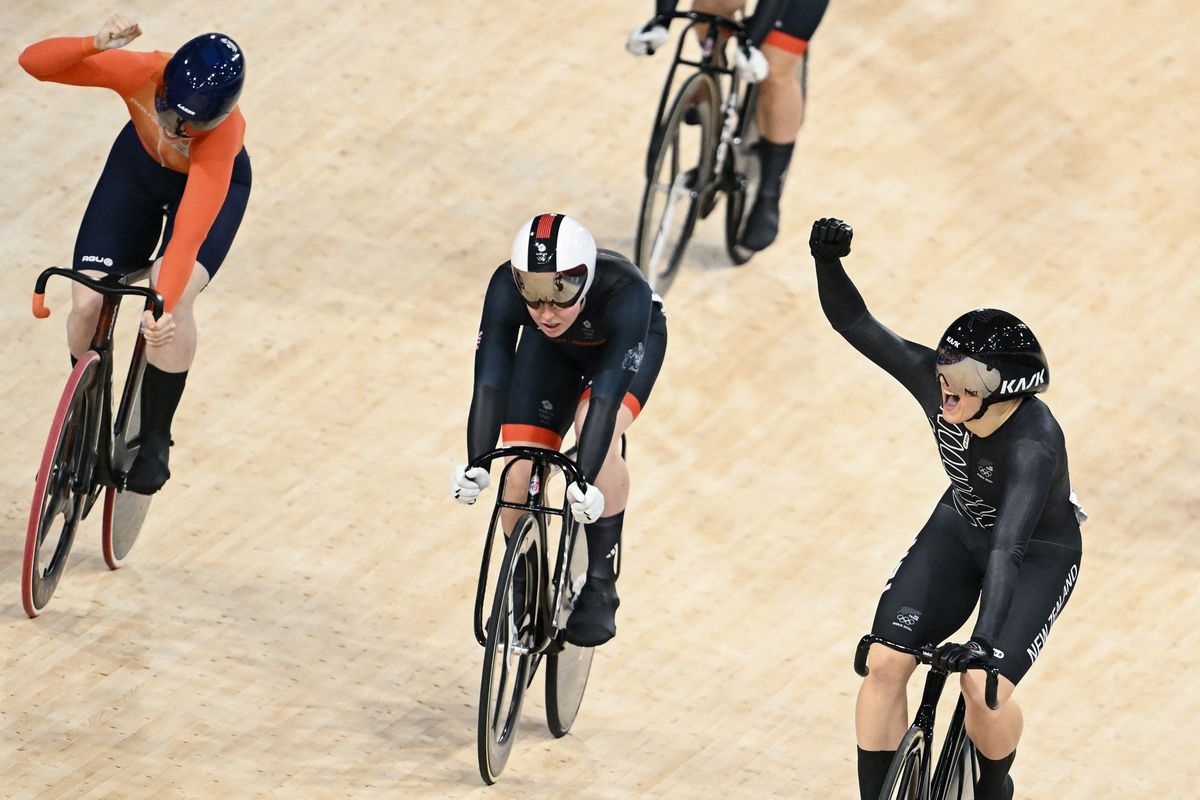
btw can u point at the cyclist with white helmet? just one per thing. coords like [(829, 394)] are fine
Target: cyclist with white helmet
[(1005, 533), (779, 32), (569, 334), (178, 161)]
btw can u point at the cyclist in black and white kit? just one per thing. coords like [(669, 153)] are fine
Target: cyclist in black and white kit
[(1005, 533), (779, 32), (592, 340)]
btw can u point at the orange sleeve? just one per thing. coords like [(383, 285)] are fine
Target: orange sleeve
[(74, 60), (207, 184)]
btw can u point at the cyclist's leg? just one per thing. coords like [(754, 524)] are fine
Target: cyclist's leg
[(167, 365), (780, 113), (538, 410), (1044, 585), (117, 234), (594, 619), (929, 595)]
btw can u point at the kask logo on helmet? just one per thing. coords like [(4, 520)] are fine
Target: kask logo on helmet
[(1023, 384)]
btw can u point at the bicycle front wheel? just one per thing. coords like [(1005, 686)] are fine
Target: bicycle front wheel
[(745, 173), (62, 487), (511, 638), (681, 164), (906, 777)]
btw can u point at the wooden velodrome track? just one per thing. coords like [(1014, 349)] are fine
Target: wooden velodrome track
[(295, 619)]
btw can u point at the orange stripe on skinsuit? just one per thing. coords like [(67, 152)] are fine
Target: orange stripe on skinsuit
[(787, 42), (629, 401), (531, 433)]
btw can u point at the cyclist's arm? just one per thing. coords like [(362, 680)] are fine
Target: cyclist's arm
[(74, 60), (664, 7), (495, 353), (1031, 469), (910, 363), (212, 158), (628, 319)]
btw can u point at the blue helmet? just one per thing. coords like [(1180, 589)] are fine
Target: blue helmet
[(201, 83)]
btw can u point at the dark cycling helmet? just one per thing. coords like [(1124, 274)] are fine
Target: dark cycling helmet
[(201, 84), (993, 354), (553, 261)]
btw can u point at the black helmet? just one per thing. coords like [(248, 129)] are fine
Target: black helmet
[(995, 354)]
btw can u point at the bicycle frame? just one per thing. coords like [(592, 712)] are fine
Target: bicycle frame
[(730, 105), (937, 784), (542, 462), (101, 441)]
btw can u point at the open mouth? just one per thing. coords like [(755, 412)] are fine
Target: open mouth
[(949, 401)]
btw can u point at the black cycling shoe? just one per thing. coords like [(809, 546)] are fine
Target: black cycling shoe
[(149, 470), (593, 621), (762, 226)]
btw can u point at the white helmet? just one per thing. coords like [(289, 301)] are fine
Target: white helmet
[(553, 261)]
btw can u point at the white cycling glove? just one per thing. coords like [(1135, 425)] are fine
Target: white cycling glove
[(466, 484), (644, 43), (751, 64), (586, 504)]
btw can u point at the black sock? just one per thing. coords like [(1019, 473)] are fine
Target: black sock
[(872, 769), (991, 784), (160, 397), (774, 159), (604, 547)]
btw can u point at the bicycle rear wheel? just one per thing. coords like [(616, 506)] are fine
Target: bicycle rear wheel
[(906, 777), (567, 670), (745, 171), (680, 170), (508, 655), (62, 487), (125, 511)]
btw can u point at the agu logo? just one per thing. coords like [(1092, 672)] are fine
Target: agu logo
[(105, 260)]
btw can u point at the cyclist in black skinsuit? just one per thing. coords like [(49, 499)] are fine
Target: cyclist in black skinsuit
[(782, 29), (1006, 532), (592, 340)]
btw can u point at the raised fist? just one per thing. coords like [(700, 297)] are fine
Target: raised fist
[(117, 31), (830, 239)]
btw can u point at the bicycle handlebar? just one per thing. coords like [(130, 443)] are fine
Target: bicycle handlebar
[(106, 286), (732, 25), (553, 456), (923, 655)]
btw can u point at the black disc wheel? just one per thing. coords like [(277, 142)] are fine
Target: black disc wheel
[(508, 656), (567, 670), (679, 174), (61, 488), (907, 773), (744, 178), (124, 511)]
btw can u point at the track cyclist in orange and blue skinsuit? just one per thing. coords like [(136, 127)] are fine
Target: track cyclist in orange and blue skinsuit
[(179, 160)]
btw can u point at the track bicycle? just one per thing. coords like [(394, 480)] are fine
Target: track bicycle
[(529, 609), (703, 144), (88, 449), (912, 775)]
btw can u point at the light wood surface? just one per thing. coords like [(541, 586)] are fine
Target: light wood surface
[(295, 620)]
